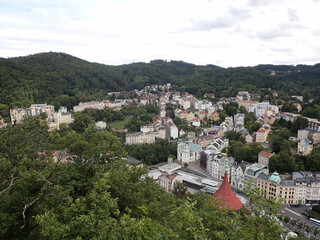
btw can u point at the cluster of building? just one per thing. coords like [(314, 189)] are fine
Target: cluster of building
[(301, 188), (160, 128), (171, 173), (100, 105), (18, 114), (313, 124), (306, 140), (195, 111), (298, 188), (306, 137), (53, 118)]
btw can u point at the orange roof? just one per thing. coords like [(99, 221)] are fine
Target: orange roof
[(261, 130), (171, 177), (265, 154), (226, 196)]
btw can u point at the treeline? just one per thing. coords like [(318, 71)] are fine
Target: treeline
[(60, 79), (153, 153)]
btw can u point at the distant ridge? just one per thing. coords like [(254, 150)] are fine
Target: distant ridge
[(59, 78)]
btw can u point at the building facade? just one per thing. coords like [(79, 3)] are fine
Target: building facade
[(263, 158), (140, 138), (237, 174), (187, 151), (167, 181)]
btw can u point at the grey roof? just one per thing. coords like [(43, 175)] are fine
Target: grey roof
[(243, 165), (132, 160), (287, 182), (296, 175), (215, 144), (263, 176)]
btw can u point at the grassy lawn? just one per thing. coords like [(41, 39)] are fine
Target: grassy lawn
[(120, 124)]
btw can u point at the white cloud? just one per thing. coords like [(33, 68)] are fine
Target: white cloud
[(225, 33)]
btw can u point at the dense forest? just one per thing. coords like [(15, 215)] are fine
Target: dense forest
[(61, 79)]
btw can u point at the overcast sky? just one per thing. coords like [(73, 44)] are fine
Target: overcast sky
[(220, 32)]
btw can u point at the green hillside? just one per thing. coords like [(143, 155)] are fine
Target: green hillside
[(61, 79)]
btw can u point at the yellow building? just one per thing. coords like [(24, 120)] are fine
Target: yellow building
[(261, 135), (273, 187), (190, 116), (215, 116)]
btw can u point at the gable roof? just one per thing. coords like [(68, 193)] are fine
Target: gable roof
[(243, 165)]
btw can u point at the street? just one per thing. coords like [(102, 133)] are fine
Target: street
[(295, 213)]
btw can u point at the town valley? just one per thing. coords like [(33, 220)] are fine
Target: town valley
[(165, 150)]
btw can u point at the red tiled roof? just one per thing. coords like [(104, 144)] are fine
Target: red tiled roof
[(154, 119), (265, 154), (226, 196), (171, 177), (261, 130)]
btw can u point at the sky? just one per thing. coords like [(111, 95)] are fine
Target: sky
[(227, 33)]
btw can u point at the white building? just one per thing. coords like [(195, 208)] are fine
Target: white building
[(261, 109), (37, 109), (309, 134), (167, 181), (184, 103), (305, 147), (93, 104), (227, 124), (243, 95), (140, 138), (253, 171), (62, 117), (218, 164), (161, 133), (170, 167), (202, 105), (147, 128), (237, 174), (196, 122), (17, 115), (162, 113), (218, 144), (187, 151), (101, 125), (303, 134), (171, 129), (238, 119)]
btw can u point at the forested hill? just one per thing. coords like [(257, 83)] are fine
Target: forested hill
[(58, 78)]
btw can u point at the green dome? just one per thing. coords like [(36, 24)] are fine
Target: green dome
[(275, 177)]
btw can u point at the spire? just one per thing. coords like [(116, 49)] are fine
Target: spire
[(226, 196), (226, 161), (226, 164)]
